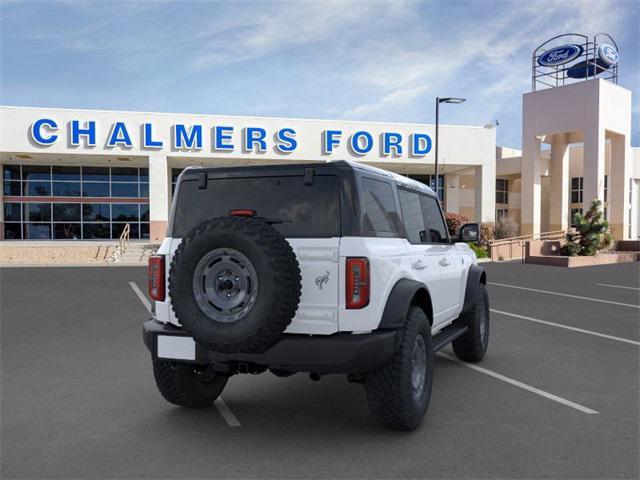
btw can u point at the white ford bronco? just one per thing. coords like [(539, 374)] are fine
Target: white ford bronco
[(322, 268)]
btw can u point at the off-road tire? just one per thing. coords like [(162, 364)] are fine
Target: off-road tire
[(181, 384), (279, 284), (389, 390), (472, 346)]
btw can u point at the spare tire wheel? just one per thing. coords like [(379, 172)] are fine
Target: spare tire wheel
[(235, 284)]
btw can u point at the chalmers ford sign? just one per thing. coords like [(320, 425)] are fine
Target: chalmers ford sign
[(221, 138)]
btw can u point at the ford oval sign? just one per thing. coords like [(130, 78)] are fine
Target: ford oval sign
[(560, 55), (608, 54)]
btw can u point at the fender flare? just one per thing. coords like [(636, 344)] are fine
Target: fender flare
[(475, 277), (401, 298)]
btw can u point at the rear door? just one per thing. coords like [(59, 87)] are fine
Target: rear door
[(424, 257), (318, 309), (448, 261), (307, 212)]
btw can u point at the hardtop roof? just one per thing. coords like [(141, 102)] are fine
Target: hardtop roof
[(298, 169)]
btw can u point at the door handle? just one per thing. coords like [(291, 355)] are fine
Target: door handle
[(419, 265), (444, 261)]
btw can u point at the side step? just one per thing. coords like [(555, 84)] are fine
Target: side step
[(447, 335)]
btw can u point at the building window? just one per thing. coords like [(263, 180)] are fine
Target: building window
[(430, 181), (175, 173), (502, 190), (502, 213), (576, 190), (606, 187), (573, 212), (65, 214)]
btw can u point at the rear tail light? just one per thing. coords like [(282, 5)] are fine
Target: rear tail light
[(156, 277), (358, 282)]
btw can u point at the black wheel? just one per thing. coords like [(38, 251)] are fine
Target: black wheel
[(235, 284), (473, 345), (186, 384), (398, 394)]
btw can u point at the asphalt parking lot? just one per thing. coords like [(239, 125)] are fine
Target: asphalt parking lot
[(556, 397)]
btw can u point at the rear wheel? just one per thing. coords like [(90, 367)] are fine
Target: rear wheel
[(398, 393), (186, 384)]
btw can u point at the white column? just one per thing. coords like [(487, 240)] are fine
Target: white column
[(452, 192), (531, 188), (593, 167), (618, 188), (158, 196), (559, 204), (485, 191)]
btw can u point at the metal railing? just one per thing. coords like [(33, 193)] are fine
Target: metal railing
[(123, 244), (519, 243)]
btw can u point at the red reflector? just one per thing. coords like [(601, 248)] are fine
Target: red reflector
[(156, 277), (358, 282), (242, 212)]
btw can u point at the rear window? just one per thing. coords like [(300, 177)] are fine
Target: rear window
[(305, 210)]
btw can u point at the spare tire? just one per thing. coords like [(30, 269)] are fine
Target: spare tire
[(235, 284)]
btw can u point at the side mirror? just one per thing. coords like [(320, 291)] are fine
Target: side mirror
[(469, 232)]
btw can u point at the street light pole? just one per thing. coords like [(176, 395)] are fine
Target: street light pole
[(438, 102), (437, 143)]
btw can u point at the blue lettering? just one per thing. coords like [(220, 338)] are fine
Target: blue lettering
[(330, 141), (119, 136), (286, 140), (147, 138), (36, 131), (356, 144), (391, 140), (255, 135), (186, 139), (89, 131), (221, 137), (421, 144)]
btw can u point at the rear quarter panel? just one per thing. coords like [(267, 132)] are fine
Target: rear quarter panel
[(389, 261)]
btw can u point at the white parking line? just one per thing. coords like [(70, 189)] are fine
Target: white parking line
[(566, 327), (518, 384), (143, 298), (590, 299), (225, 412), (617, 286)]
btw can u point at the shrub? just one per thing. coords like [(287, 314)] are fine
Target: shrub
[(479, 251), (454, 222), (505, 227), (591, 235), (487, 232)]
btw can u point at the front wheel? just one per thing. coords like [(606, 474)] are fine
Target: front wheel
[(398, 393), (473, 345), (187, 385)]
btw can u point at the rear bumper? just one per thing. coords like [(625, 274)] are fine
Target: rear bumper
[(339, 353)]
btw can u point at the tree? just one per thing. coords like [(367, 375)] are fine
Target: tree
[(591, 235), (454, 222)]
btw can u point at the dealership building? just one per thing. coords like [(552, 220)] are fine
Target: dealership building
[(85, 174)]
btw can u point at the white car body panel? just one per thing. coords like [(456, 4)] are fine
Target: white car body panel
[(322, 309)]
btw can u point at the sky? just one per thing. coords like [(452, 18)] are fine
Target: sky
[(344, 60)]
